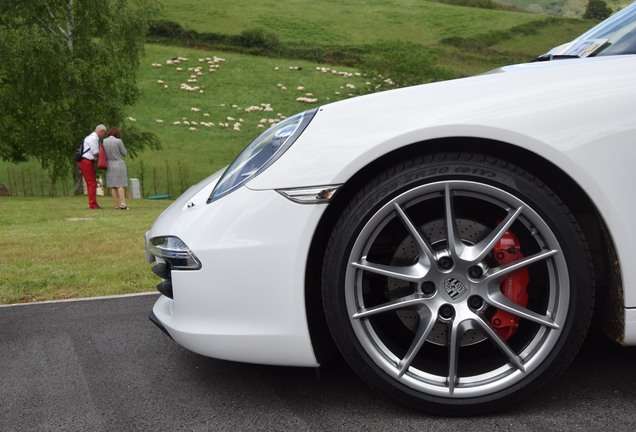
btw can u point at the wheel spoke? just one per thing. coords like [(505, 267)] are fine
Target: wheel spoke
[(483, 248), (455, 244), (393, 305), (498, 273), (455, 333), (427, 322), (501, 344), (497, 299), (424, 247), (413, 273)]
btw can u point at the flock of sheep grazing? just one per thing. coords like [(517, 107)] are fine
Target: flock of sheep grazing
[(190, 83)]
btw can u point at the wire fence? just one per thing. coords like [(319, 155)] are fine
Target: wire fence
[(28, 181)]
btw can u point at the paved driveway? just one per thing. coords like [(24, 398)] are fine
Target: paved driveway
[(100, 365)]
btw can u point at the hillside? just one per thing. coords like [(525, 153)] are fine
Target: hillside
[(346, 22), (466, 40), (565, 8)]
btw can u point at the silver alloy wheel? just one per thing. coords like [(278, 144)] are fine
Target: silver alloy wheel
[(461, 300)]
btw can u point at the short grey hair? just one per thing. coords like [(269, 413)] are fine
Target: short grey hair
[(100, 127)]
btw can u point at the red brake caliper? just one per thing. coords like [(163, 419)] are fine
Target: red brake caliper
[(514, 286)]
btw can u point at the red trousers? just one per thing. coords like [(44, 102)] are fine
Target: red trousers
[(87, 167)]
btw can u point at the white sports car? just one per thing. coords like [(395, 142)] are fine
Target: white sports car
[(450, 238)]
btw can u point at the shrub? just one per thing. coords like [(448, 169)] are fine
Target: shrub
[(166, 29), (258, 38), (405, 63), (597, 10), (481, 4)]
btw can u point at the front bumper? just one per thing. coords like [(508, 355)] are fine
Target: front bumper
[(247, 302)]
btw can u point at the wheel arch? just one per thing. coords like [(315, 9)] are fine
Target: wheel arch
[(608, 313)]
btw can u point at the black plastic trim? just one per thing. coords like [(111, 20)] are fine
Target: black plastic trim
[(161, 270), (156, 322), (165, 288)]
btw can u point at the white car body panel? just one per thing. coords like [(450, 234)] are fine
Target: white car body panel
[(493, 107), (245, 303), (250, 292)]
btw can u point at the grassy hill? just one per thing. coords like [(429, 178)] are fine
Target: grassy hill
[(252, 91), (204, 129), (343, 22), (566, 8)]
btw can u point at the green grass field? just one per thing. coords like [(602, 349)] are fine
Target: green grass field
[(55, 248), (345, 22)]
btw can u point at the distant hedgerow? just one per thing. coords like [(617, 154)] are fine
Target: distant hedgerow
[(481, 4), (485, 40), (258, 38), (405, 63)]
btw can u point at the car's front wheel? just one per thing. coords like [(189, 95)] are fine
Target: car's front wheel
[(458, 283)]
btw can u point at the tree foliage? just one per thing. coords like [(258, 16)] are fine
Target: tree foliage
[(66, 66), (597, 10)]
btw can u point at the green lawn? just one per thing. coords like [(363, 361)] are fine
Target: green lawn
[(55, 248)]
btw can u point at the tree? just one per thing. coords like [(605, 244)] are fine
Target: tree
[(597, 10), (65, 66)]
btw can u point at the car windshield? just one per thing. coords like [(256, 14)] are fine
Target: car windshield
[(614, 36)]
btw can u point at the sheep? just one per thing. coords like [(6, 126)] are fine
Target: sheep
[(306, 100)]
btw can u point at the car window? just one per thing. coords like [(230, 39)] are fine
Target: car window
[(614, 36)]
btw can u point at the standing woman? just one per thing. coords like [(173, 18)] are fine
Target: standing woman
[(116, 172)]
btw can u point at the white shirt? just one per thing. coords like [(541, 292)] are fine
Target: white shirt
[(91, 142)]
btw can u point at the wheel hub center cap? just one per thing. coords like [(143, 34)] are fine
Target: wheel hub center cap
[(455, 289)]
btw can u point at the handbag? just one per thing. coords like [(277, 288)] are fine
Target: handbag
[(102, 162)]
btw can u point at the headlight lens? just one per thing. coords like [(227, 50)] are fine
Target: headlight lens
[(175, 252), (261, 153)]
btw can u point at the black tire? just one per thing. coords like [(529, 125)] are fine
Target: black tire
[(412, 305)]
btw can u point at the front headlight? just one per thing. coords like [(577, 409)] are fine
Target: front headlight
[(261, 153), (175, 252)]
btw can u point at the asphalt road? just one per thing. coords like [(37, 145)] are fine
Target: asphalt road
[(101, 365)]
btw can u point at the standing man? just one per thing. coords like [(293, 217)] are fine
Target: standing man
[(90, 151)]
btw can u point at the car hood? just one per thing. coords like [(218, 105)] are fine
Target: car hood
[(506, 105), (565, 63)]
